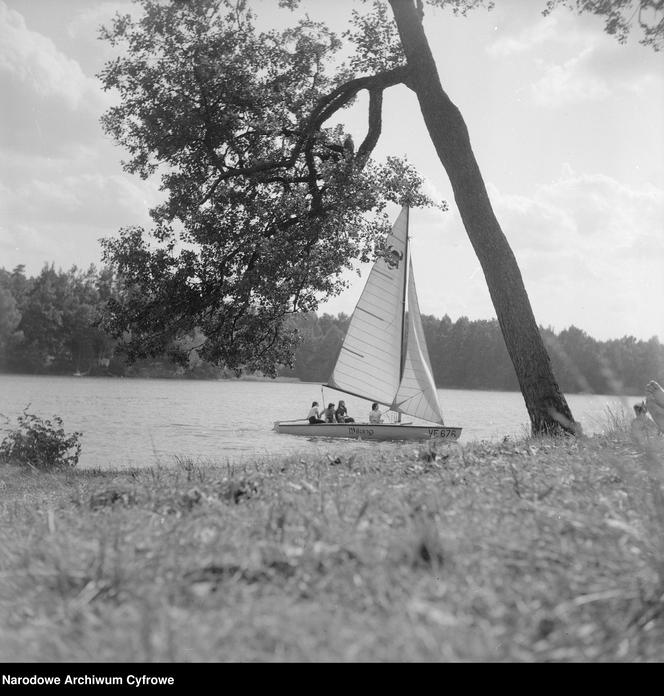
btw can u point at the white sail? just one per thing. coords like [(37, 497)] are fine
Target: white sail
[(369, 361), (374, 363), (417, 394)]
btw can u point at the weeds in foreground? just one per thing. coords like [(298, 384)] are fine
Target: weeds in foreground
[(40, 444)]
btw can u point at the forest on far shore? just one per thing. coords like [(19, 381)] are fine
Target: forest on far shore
[(48, 325)]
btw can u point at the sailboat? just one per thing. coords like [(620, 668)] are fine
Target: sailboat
[(384, 356)]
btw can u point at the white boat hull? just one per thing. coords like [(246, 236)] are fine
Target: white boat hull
[(369, 431)]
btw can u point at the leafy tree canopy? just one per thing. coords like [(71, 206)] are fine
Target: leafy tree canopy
[(265, 202)]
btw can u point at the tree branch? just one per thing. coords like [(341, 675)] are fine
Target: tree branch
[(375, 126), (324, 109)]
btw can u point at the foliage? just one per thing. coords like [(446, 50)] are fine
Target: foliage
[(376, 41), (9, 314), (620, 15), (57, 313), (462, 7), (265, 203), (42, 444)]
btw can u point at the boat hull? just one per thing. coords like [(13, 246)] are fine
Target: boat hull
[(369, 431)]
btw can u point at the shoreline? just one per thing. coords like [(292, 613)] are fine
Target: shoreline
[(288, 380)]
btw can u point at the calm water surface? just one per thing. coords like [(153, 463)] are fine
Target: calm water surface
[(144, 422)]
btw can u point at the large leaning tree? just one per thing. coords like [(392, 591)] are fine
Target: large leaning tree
[(267, 200)]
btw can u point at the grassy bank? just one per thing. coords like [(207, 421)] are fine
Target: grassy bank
[(538, 550)]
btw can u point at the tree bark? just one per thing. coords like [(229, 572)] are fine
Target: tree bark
[(547, 408)]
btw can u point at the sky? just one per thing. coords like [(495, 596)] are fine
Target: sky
[(566, 124)]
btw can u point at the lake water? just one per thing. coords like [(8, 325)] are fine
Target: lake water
[(145, 422)]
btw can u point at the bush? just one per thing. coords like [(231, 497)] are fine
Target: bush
[(42, 444)]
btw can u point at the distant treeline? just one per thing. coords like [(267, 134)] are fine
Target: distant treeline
[(469, 354), (48, 325)]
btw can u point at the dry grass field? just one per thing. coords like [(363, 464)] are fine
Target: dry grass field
[(538, 550)]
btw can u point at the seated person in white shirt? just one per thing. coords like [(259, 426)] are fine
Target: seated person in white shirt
[(375, 416), (314, 414)]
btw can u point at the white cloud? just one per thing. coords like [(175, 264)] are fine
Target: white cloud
[(62, 221), (32, 59), (49, 103), (584, 212), (527, 39), (589, 248), (56, 208), (597, 71), (84, 199), (575, 60), (60, 185), (568, 82)]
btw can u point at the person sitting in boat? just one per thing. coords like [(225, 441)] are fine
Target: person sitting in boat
[(642, 425), (328, 414), (314, 414), (375, 415), (655, 403), (341, 414)]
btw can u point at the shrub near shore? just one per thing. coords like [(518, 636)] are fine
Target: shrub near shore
[(527, 551)]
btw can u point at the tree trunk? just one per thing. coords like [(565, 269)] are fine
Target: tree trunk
[(547, 408)]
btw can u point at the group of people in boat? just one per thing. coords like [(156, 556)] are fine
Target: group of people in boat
[(339, 414)]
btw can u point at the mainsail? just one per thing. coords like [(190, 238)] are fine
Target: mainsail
[(370, 360)]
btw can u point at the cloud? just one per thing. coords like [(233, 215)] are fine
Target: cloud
[(83, 199), (61, 187), (56, 208), (562, 78), (599, 70), (526, 39), (589, 248), (568, 82), (588, 213), (573, 60), (33, 60), (63, 223), (48, 101)]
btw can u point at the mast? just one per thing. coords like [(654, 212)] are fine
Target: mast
[(402, 360)]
